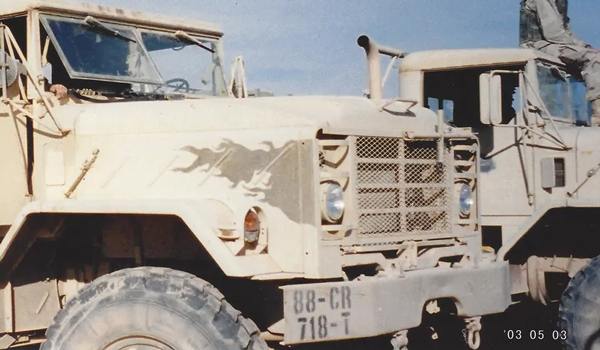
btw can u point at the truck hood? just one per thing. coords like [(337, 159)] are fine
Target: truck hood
[(336, 115)]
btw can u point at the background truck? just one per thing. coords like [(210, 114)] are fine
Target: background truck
[(539, 189), (148, 207)]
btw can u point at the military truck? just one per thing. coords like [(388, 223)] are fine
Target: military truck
[(539, 189), (149, 206)]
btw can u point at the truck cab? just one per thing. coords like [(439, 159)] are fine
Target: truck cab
[(126, 56)]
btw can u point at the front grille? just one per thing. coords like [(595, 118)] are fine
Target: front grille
[(403, 191)]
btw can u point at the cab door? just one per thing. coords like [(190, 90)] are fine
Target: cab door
[(14, 164)]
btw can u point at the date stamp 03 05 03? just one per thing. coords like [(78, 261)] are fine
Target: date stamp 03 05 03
[(518, 335)]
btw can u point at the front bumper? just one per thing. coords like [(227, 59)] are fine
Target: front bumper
[(376, 306)]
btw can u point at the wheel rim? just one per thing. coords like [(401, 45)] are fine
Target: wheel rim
[(138, 343)]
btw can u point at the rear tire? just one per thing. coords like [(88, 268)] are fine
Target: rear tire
[(151, 308), (579, 311)]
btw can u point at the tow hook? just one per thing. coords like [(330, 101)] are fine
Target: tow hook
[(400, 340), (471, 332)]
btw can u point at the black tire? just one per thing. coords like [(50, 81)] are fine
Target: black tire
[(579, 310), (156, 307)]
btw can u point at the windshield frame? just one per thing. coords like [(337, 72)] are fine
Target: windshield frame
[(74, 74)]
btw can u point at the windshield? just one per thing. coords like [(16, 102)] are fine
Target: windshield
[(150, 60), (580, 106), (93, 52), (554, 91), (186, 66)]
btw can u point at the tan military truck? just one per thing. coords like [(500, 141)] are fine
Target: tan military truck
[(321, 218), (540, 193)]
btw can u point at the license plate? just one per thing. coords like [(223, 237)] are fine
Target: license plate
[(319, 314)]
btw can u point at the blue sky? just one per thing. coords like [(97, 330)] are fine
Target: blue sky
[(307, 47)]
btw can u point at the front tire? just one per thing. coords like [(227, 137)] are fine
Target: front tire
[(151, 308), (579, 311)]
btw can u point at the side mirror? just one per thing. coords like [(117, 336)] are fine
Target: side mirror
[(490, 98), (8, 74)]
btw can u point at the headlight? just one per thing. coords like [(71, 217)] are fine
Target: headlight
[(465, 199), (332, 206)]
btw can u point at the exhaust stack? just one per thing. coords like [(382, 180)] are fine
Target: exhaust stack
[(374, 65)]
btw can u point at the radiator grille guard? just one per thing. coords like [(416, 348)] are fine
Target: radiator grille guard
[(403, 192)]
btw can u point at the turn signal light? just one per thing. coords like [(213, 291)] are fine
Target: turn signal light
[(251, 227)]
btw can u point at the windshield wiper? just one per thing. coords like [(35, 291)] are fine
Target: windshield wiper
[(183, 36), (94, 23)]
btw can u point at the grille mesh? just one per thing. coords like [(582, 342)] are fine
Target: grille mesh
[(402, 189)]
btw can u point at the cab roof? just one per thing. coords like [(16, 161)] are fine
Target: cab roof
[(470, 58), (10, 8)]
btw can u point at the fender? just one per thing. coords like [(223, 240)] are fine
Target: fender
[(527, 225), (201, 216)]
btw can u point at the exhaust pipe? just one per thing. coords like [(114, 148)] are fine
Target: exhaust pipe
[(374, 65)]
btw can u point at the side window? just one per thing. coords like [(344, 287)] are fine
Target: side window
[(456, 92), (511, 97), (18, 27)]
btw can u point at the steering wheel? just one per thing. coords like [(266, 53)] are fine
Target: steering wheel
[(178, 84)]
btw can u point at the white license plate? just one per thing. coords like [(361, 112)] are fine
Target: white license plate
[(319, 314), (347, 310)]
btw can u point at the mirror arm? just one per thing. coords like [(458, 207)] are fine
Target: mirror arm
[(9, 37), (545, 110), (3, 62)]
